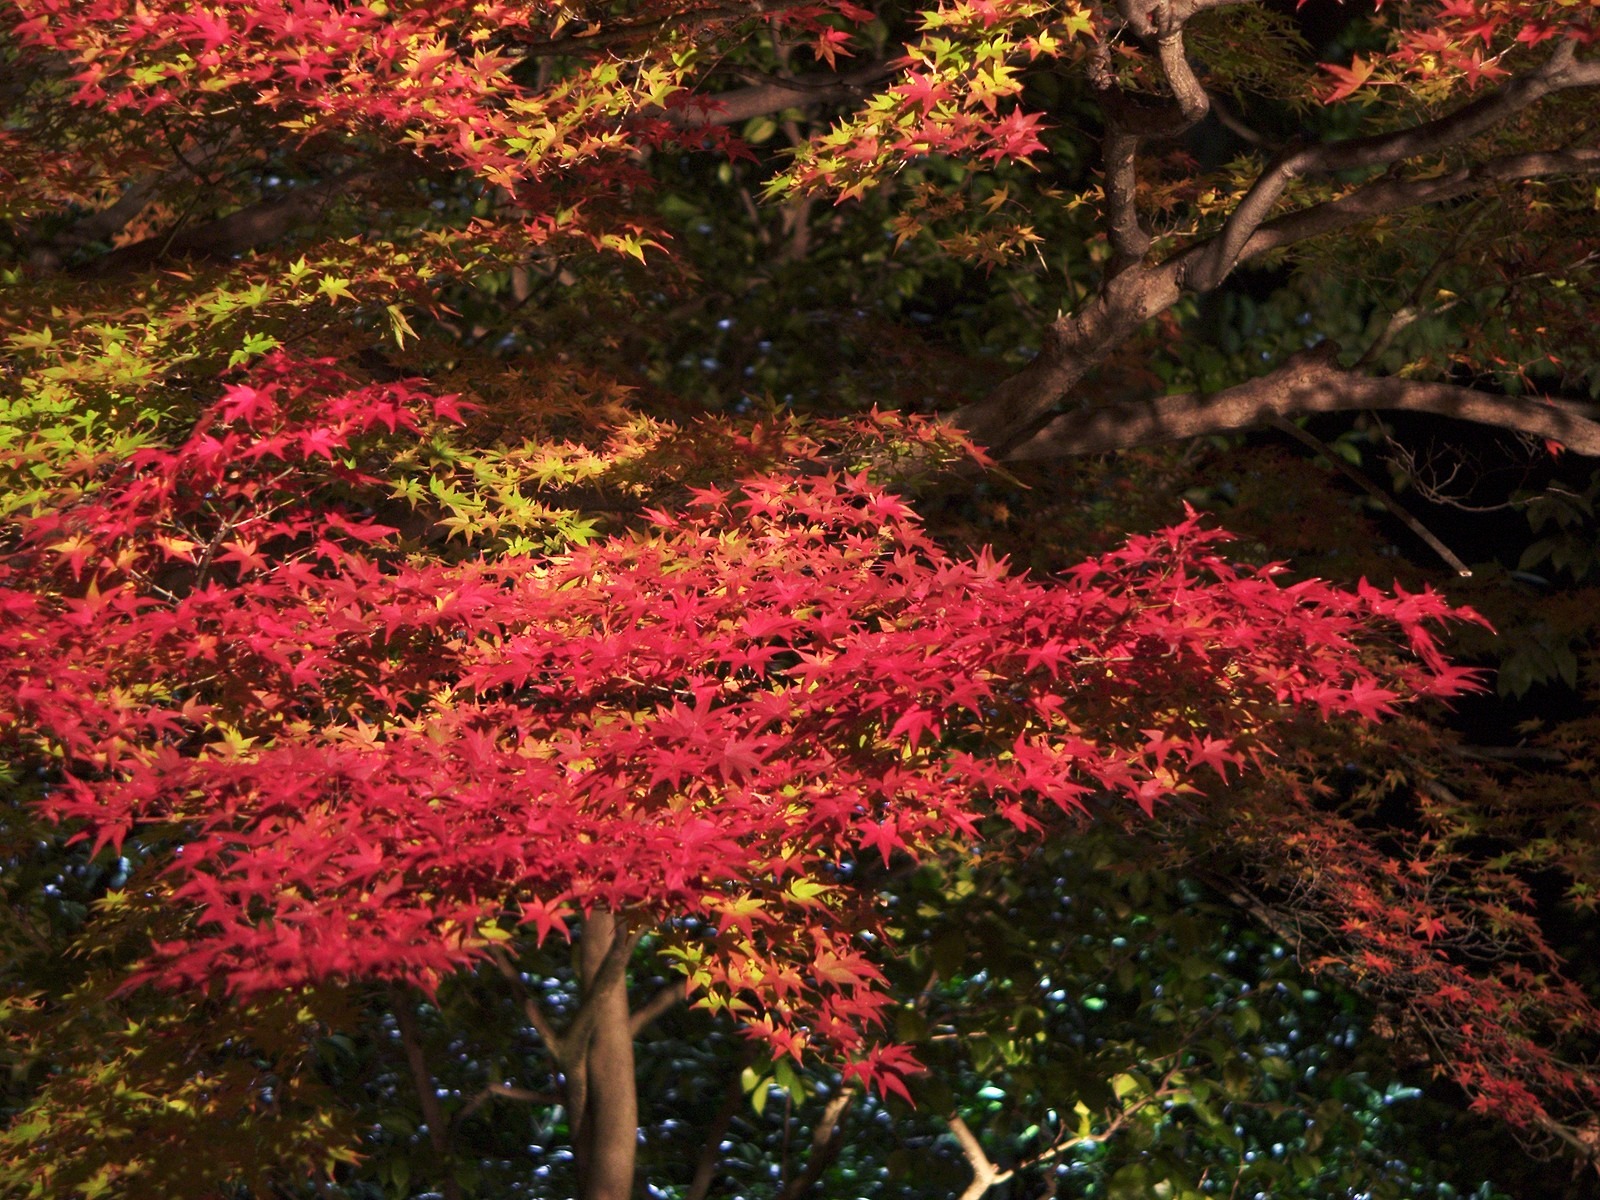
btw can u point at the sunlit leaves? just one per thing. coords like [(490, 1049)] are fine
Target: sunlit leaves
[(780, 677)]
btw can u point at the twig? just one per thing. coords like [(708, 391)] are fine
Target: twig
[(505, 1092), (1372, 489), (1415, 304)]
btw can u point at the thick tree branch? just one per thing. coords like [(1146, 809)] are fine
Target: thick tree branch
[(607, 975), (1129, 125), (1307, 384), (98, 226), (1182, 10), (1072, 345), (984, 1172), (1129, 239), (601, 1085), (1193, 103)]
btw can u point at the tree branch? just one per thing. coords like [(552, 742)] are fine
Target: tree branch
[(606, 976), (701, 15), (776, 94), (1416, 302), (1073, 344), (1210, 264), (1129, 125), (506, 1092), (667, 998), (530, 1007), (1389, 196), (705, 1167), (826, 1138), (427, 1095), (227, 236), (984, 1172), (1129, 239), (1307, 384)]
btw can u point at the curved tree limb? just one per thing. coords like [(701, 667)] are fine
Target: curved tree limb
[(1307, 384), (1129, 126), (1133, 293), (662, 1002)]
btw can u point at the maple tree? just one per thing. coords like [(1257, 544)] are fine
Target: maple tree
[(351, 600)]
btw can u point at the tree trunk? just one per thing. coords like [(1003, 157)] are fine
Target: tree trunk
[(601, 1089)]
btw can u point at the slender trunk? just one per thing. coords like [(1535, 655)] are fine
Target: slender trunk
[(601, 1089)]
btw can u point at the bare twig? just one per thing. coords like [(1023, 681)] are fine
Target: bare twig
[(504, 1091), (1416, 302), (985, 1174), (1389, 502)]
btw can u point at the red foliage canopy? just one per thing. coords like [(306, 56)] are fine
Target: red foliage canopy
[(359, 760)]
